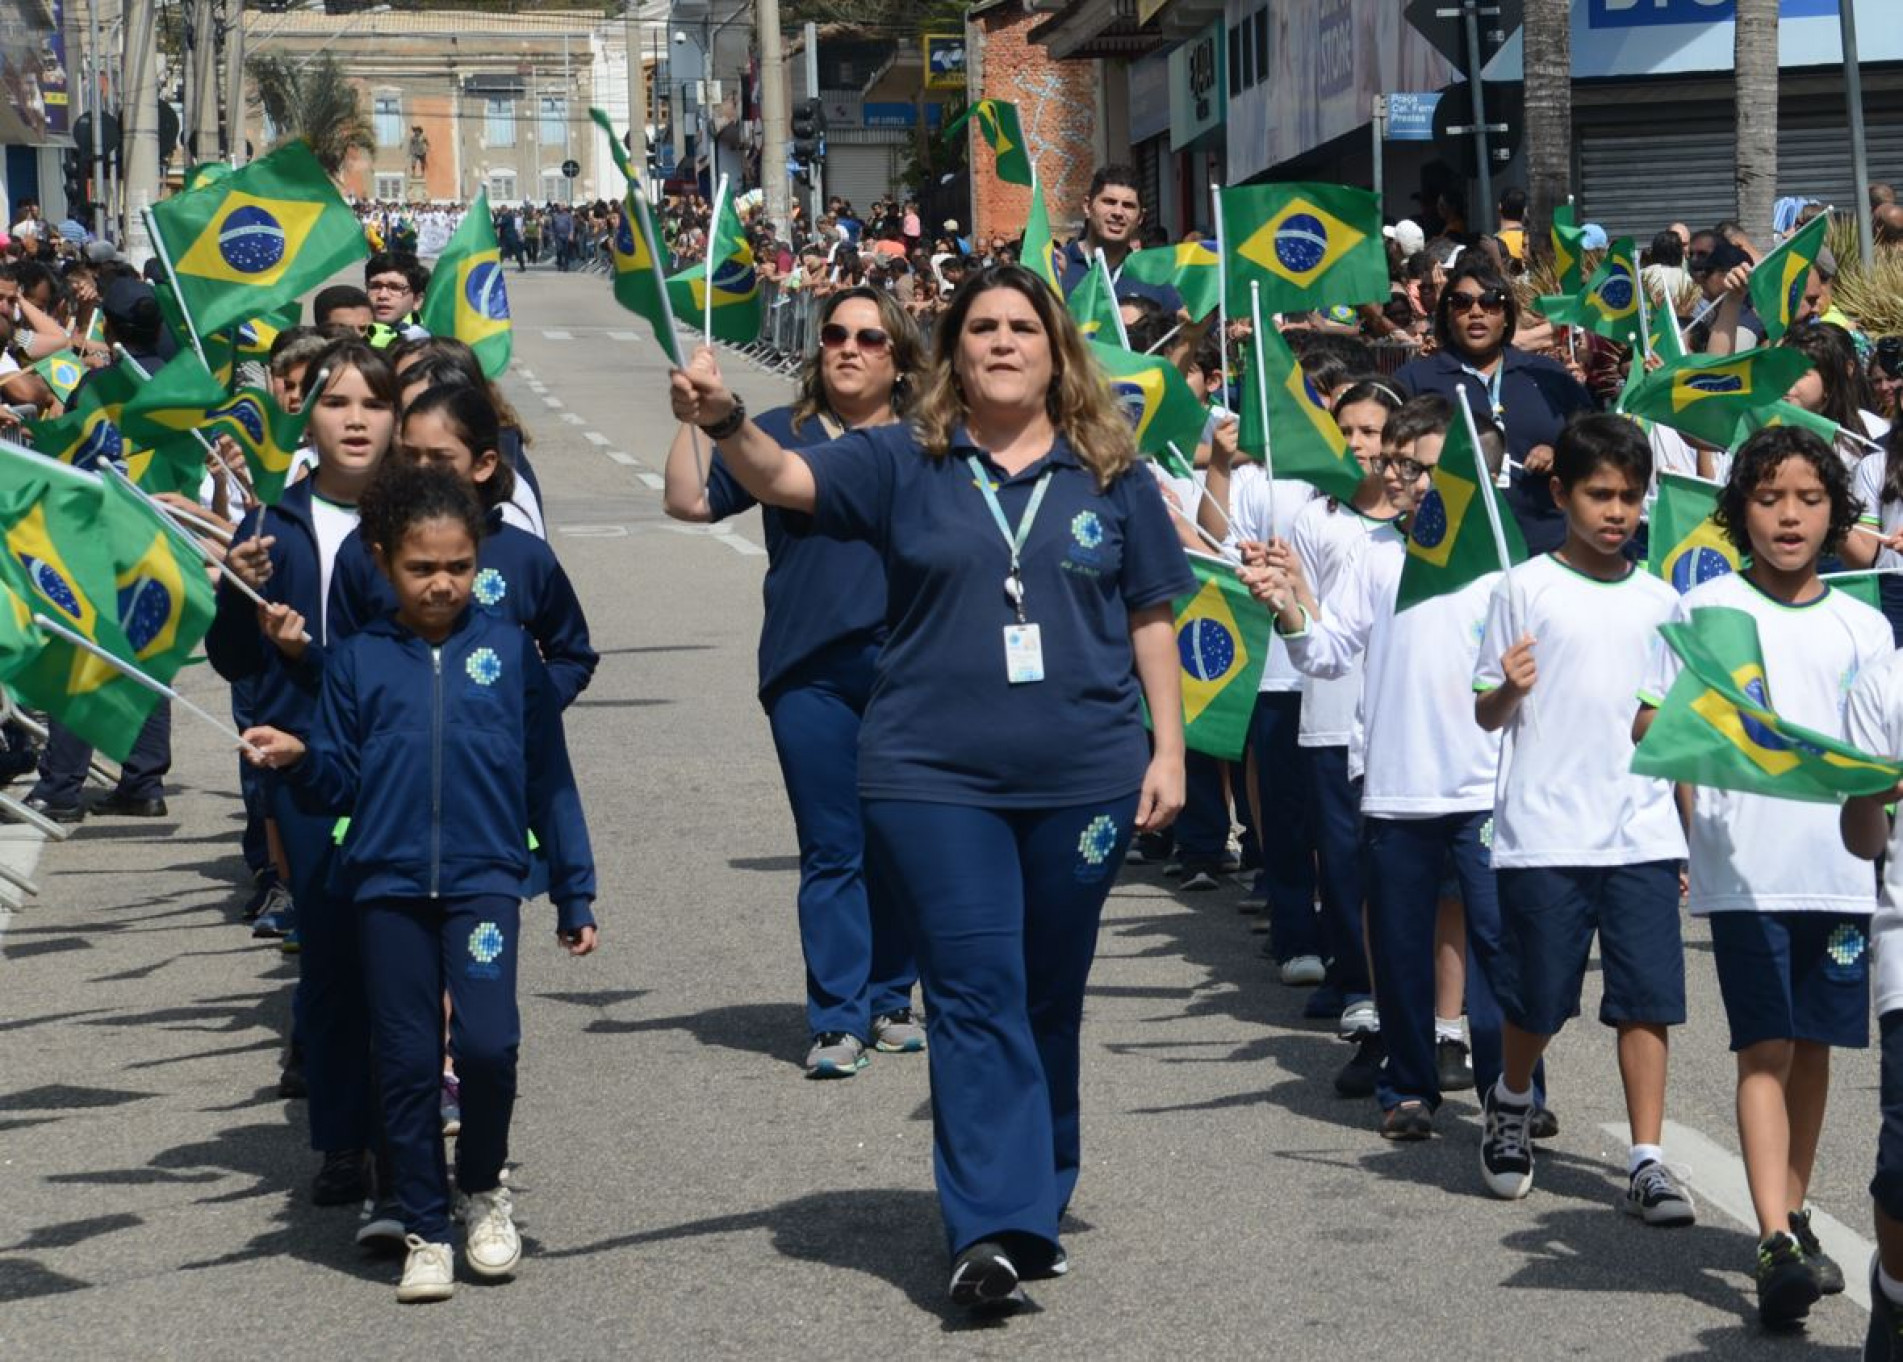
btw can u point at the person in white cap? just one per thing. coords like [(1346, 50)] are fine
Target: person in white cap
[(1407, 235)]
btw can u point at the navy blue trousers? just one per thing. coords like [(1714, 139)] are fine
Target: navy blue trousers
[(328, 1009), (858, 953), (253, 785), (1407, 861), (1202, 829), (1004, 906), (1288, 847), (1335, 805), (414, 949), (66, 755)]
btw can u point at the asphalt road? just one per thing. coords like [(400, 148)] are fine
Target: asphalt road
[(684, 1192)]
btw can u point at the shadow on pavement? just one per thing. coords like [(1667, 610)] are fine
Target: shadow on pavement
[(777, 1030)]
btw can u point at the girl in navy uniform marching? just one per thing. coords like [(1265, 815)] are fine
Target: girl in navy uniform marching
[(1003, 763), (286, 553), (824, 622), (440, 733)]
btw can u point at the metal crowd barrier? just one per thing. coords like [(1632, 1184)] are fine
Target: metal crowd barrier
[(788, 332)]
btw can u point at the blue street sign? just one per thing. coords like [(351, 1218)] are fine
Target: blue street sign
[(1411, 117)]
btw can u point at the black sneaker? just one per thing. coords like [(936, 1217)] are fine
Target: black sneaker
[(343, 1180), (291, 1084), (1543, 1124), (260, 895), (1883, 1342), (1451, 1059), (1199, 881), (1787, 1287), (1506, 1150), (1830, 1277), (1357, 1076), (983, 1278)]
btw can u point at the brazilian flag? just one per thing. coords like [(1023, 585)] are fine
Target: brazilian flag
[(1191, 268), (1301, 439), (1684, 545), (1222, 642), (109, 390), (729, 274), (165, 599), (1782, 413), (60, 558), (62, 372), (1092, 304), (1162, 409), (268, 437), (1307, 245), (171, 402), (1039, 253), (1609, 304), (1569, 250), (256, 238), (1712, 397), (1860, 586), (1449, 540), (997, 123), (1778, 280), (468, 297), (80, 438), (635, 248), (1718, 726)]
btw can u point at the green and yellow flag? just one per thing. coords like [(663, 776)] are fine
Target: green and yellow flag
[(997, 123), (1191, 268), (171, 402), (1041, 255), (635, 247), (1864, 586), (468, 296), (1308, 245), (1222, 642), (730, 274), (1717, 726), (79, 438), (1449, 540), (1783, 413), (1712, 397), (1609, 304), (62, 372), (257, 237), (165, 599), (1569, 250), (1092, 304), (1302, 439), (1154, 395), (60, 559), (1778, 280), (267, 435), (1684, 545)]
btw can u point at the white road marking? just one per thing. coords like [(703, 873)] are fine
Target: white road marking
[(553, 403), (528, 375), (623, 336), (571, 418), (558, 335), (746, 548), (1716, 1178), (651, 480), (594, 437), (593, 531), (626, 460)]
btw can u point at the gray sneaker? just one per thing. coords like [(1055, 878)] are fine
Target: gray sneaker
[(835, 1055), (1655, 1196), (898, 1033)]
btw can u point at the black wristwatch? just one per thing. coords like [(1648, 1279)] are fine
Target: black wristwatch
[(721, 430)]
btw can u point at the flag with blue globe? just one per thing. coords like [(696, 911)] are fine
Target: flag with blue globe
[(1222, 642), (468, 295), (1306, 245)]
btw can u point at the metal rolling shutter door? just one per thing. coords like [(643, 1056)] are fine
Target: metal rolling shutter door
[(861, 174)]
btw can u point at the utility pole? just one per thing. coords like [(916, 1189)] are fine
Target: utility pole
[(234, 80), (140, 121), (96, 111), (203, 113), (773, 120), (637, 93), (813, 171)]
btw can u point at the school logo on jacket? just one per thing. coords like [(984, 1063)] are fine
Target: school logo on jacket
[(1094, 845), (491, 588), (485, 948), (484, 667), (1845, 954)]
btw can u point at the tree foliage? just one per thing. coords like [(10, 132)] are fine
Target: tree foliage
[(312, 100)]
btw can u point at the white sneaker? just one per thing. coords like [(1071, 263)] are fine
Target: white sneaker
[(1357, 1018), (429, 1273), (1304, 971), (491, 1245)]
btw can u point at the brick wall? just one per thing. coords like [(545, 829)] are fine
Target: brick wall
[(1057, 104)]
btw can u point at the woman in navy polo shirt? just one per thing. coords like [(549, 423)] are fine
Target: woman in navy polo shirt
[(1531, 397), (825, 620), (1003, 764)]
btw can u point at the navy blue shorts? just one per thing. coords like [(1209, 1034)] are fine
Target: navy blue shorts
[(1547, 920), (1886, 1188), (1794, 976)]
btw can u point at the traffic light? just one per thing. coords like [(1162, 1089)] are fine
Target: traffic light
[(73, 176), (809, 131)]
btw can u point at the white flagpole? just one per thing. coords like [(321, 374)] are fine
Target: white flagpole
[(713, 229), (1110, 287), (164, 254), (1486, 484), (1163, 339), (145, 374), (1202, 491), (1262, 394), (151, 683), (1222, 294)]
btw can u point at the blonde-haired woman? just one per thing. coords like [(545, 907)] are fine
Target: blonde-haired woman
[(1003, 763), (823, 625)]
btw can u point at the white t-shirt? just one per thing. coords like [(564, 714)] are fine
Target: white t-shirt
[(1566, 795), (1875, 512), (1752, 853), (333, 523), (1873, 722), (1251, 496), (524, 511), (1425, 754), (1328, 538)]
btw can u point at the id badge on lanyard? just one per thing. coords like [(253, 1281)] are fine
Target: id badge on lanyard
[(1023, 643)]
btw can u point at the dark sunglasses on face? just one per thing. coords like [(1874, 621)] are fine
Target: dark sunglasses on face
[(833, 335), (1492, 302)]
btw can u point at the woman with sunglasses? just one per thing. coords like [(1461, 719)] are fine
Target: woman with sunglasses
[(1029, 564), (1529, 396), (825, 620)]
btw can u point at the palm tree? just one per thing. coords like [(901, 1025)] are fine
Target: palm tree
[(312, 100), (1548, 68), (1754, 55)]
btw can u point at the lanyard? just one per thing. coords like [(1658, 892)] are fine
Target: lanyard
[(1013, 584), (1493, 388)]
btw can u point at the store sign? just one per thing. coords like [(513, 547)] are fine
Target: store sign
[(1411, 117), (1643, 13), (1198, 103), (898, 114), (1623, 39), (944, 61)]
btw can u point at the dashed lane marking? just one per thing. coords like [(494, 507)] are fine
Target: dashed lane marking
[(594, 437)]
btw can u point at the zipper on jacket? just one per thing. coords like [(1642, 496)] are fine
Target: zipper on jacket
[(436, 774)]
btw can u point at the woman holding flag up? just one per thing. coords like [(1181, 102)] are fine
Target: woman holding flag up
[(1002, 763)]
